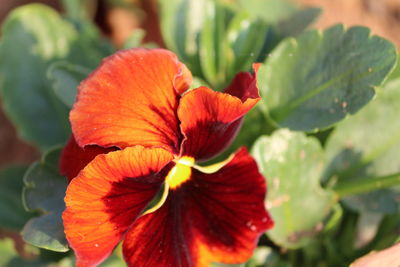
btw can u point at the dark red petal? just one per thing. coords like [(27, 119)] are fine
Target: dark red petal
[(161, 238), (131, 99), (216, 217), (244, 85), (107, 196), (74, 158)]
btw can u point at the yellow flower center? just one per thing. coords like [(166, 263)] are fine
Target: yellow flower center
[(180, 173)]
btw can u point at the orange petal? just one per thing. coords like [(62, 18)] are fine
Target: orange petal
[(74, 158), (211, 120), (131, 99), (216, 217), (106, 198)]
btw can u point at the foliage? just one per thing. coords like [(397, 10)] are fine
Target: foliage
[(325, 135), (44, 190), (293, 164)]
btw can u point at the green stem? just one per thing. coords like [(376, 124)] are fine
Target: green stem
[(366, 185)]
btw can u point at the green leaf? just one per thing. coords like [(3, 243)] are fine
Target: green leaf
[(196, 31), (244, 40), (395, 74), (7, 252), (10, 257), (12, 213), (15, 253), (268, 10), (213, 44), (367, 145), (65, 79), (135, 39), (293, 165), (46, 232), (35, 36), (297, 22), (266, 256), (113, 261), (290, 26), (317, 79), (44, 192), (384, 237), (181, 22), (89, 47), (78, 9)]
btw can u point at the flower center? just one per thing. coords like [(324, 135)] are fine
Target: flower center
[(180, 173)]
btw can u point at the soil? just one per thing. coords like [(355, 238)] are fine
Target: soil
[(382, 16)]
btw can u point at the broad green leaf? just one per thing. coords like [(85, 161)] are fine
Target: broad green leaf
[(293, 165), (368, 145), (46, 232), (33, 37), (65, 78), (268, 10), (44, 192), (244, 40), (317, 79), (89, 46), (395, 74), (290, 26), (12, 213), (297, 22)]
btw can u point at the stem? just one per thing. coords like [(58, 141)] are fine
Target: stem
[(366, 185)]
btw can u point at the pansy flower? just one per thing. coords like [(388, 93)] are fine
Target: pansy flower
[(138, 133)]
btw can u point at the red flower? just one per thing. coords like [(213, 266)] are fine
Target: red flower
[(139, 131)]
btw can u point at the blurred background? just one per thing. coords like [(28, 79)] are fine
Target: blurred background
[(118, 18)]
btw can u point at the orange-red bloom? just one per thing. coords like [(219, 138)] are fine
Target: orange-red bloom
[(139, 131)]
